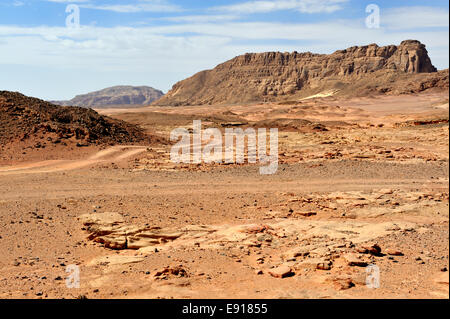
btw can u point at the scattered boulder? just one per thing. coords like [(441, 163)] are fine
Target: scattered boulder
[(373, 249), (354, 260), (393, 252), (342, 283), (281, 272), (255, 229), (314, 263), (176, 271), (325, 265), (306, 214), (296, 252)]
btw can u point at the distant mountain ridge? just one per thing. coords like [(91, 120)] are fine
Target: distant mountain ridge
[(277, 76), (116, 95)]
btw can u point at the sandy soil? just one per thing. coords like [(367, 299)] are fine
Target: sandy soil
[(372, 188)]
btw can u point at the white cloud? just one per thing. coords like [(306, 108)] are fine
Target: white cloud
[(141, 6), (202, 18), (415, 17), (92, 45), (304, 6), (67, 1)]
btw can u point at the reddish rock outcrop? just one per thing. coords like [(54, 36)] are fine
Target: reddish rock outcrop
[(255, 77)]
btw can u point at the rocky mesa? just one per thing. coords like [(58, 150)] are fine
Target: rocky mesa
[(116, 95), (276, 76)]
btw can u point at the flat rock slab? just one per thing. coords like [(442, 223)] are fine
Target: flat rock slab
[(354, 260), (113, 260), (281, 272)]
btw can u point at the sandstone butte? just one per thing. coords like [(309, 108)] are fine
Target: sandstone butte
[(276, 76)]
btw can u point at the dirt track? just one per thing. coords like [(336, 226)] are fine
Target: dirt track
[(111, 154)]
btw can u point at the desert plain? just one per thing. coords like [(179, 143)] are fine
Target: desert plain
[(361, 182)]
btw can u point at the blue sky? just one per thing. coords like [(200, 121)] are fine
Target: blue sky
[(159, 42)]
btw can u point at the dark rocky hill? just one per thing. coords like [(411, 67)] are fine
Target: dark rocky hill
[(23, 117)]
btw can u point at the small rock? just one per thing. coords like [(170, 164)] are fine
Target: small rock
[(306, 214), (265, 237), (281, 272), (296, 252), (354, 260), (374, 249), (326, 265), (362, 250), (343, 283), (393, 252), (177, 271)]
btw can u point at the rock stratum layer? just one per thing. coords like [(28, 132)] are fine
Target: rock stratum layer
[(116, 95), (274, 76), (23, 117)]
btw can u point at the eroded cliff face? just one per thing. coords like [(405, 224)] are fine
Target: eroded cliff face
[(273, 75)]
